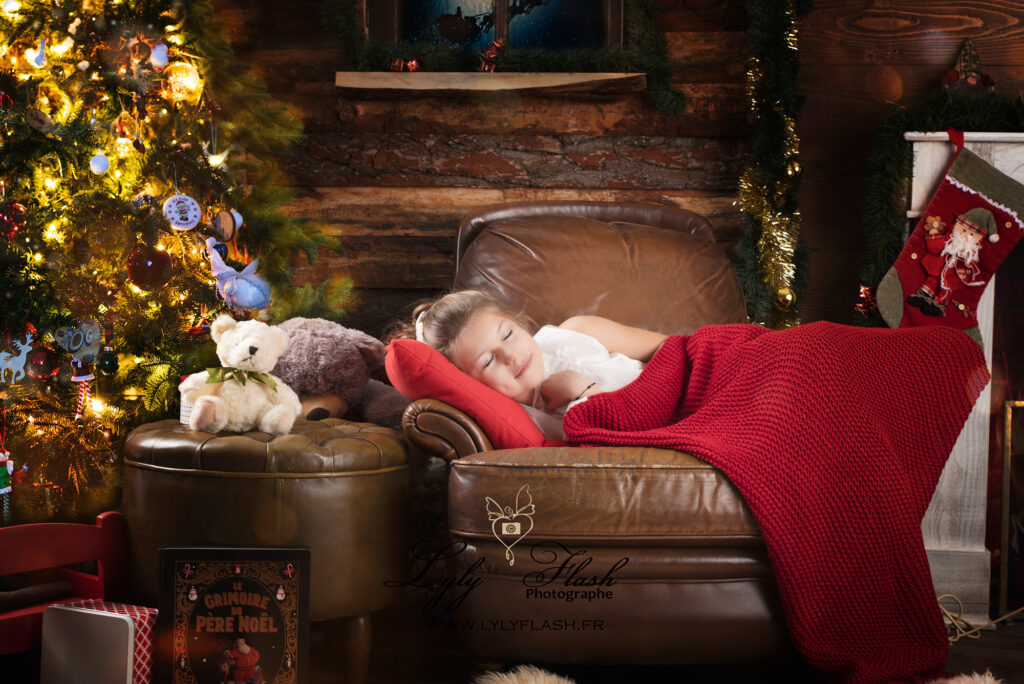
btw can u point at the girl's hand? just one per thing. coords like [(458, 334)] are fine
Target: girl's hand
[(564, 386)]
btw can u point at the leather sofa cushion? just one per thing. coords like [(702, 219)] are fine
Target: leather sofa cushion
[(553, 267), (601, 496), (324, 446)]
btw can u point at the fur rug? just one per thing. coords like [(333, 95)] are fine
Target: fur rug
[(524, 674), (986, 678), (528, 674)]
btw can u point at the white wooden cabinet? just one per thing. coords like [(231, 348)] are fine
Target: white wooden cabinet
[(954, 525)]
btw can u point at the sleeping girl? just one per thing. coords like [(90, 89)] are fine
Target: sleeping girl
[(547, 372)]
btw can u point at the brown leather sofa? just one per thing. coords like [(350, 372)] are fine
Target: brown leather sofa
[(627, 555)]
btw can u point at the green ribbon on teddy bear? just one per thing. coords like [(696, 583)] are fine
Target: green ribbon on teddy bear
[(222, 374)]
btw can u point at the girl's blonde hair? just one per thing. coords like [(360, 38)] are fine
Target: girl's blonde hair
[(441, 320)]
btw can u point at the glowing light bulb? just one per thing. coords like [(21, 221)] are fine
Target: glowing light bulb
[(63, 46)]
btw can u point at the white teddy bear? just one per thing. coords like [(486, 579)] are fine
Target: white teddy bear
[(242, 395)]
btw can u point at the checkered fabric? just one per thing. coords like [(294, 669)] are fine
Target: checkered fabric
[(145, 632)]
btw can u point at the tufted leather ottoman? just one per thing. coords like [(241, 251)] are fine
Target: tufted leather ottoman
[(337, 487)]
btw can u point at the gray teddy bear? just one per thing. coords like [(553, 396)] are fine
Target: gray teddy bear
[(329, 367)]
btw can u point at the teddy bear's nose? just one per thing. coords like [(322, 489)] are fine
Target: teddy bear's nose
[(252, 350)]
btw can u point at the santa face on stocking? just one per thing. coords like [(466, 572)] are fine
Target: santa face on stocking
[(971, 224), (952, 261)]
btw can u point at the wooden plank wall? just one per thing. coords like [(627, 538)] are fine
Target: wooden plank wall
[(392, 178)]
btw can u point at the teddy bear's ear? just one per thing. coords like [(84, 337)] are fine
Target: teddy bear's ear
[(372, 349), (220, 326), (281, 339)]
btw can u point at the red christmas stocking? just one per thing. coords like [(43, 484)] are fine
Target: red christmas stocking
[(972, 222)]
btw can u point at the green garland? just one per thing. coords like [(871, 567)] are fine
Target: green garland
[(890, 167), (648, 53), (773, 280)]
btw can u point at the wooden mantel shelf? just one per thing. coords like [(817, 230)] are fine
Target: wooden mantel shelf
[(406, 83)]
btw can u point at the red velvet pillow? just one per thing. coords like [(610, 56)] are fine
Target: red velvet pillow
[(417, 370)]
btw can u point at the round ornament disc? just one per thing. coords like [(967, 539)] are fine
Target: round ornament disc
[(224, 225), (182, 212)]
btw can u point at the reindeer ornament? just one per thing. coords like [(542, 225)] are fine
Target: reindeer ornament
[(15, 363)]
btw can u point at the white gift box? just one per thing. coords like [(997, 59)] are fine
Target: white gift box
[(90, 641)]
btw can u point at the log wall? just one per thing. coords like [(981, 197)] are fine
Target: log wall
[(392, 178)]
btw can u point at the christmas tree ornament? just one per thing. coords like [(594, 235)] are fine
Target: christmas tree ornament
[(245, 290), (183, 82), (124, 129), (12, 364), (99, 164), (123, 147), (12, 219), (182, 212), (42, 363), (5, 102), (139, 50), (866, 304), (39, 120), (6, 475), (972, 222), (107, 362), (225, 224), (82, 340), (158, 57), (11, 6), (83, 343), (37, 58), (149, 268), (220, 248), (785, 298)]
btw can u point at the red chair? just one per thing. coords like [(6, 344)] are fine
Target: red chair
[(43, 546)]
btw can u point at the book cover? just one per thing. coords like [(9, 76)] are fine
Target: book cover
[(231, 614)]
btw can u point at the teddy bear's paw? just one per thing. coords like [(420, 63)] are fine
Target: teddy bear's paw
[(278, 420), (210, 414)]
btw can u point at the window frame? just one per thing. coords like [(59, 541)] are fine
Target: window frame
[(383, 21)]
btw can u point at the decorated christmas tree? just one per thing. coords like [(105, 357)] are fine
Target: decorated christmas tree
[(133, 148)]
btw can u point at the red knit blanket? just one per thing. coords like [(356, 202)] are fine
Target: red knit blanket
[(836, 437)]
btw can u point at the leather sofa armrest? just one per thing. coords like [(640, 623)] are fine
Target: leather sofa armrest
[(441, 430)]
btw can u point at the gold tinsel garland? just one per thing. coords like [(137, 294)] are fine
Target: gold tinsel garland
[(766, 201)]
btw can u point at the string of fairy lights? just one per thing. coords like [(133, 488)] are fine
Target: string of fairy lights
[(125, 128)]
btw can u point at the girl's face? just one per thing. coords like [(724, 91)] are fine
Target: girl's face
[(494, 349)]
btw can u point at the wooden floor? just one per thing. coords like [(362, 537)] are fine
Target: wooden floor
[(403, 655), (409, 656)]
